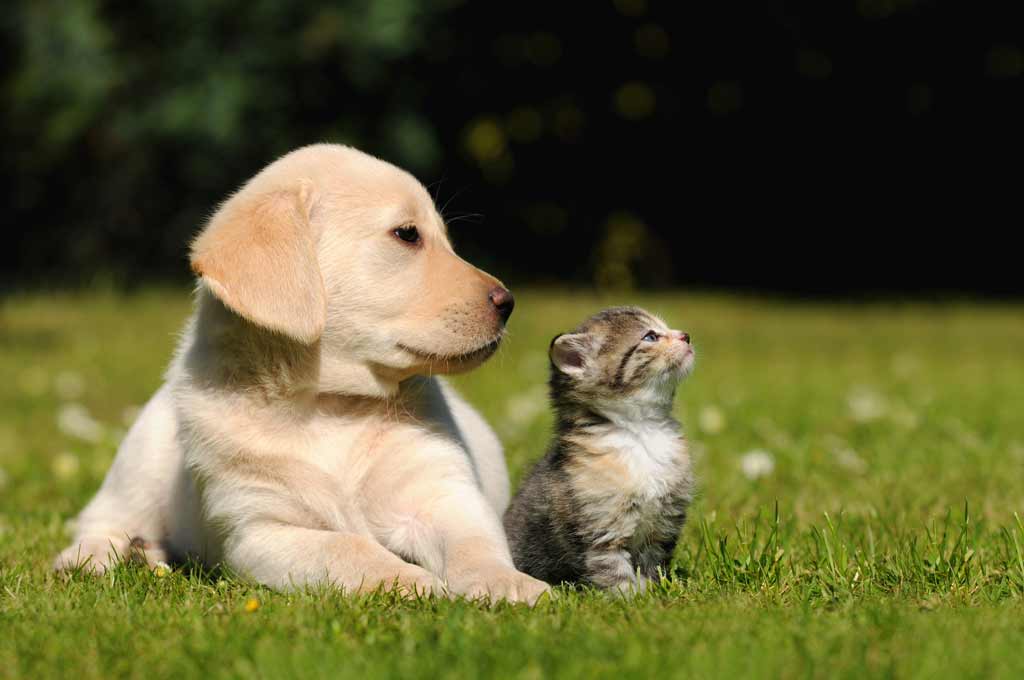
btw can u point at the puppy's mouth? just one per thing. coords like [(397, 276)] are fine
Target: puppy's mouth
[(474, 356)]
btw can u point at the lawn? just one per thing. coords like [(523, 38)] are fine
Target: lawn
[(861, 473)]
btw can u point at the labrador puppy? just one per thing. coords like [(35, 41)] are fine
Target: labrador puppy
[(300, 437)]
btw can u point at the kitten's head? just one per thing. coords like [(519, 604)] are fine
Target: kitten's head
[(622, 353)]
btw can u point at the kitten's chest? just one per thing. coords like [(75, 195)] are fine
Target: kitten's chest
[(646, 459), (631, 480)]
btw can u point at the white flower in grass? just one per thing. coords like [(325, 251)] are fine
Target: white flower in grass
[(848, 459), (69, 385), (161, 569), (711, 419), (757, 463), (866, 405), (65, 465), (74, 420)]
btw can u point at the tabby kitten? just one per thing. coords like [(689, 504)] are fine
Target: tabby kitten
[(606, 504)]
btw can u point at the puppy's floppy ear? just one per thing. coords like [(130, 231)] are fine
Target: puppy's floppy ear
[(258, 256), (569, 352)]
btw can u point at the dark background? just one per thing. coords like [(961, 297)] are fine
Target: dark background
[(841, 147)]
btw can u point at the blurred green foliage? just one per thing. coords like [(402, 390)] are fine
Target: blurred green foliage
[(114, 111), (624, 143), (129, 122), (95, 73)]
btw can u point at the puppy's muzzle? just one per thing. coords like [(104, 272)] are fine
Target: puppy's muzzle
[(503, 302)]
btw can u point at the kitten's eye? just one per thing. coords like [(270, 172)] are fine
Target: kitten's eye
[(408, 234), (650, 337)]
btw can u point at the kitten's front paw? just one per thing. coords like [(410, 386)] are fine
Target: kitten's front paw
[(630, 587), (500, 583)]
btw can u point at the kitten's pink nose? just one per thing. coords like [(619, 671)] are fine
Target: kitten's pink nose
[(685, 337)]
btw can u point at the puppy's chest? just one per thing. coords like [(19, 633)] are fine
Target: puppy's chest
[(631, 483), (377, 450)]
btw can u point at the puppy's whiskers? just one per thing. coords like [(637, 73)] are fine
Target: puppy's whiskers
[(444, 208)]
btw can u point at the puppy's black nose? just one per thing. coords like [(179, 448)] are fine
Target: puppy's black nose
[(686, 338), (503, 302)]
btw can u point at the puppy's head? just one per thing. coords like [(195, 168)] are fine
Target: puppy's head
[(332, 247)]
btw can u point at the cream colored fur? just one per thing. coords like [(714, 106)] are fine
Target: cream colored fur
[(299, 437)]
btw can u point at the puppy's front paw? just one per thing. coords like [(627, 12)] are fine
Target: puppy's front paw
[(501, 583), (410, 581), (93, 554), (418, 582)]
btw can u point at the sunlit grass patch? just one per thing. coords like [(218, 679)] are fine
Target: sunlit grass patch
[(861, 488)]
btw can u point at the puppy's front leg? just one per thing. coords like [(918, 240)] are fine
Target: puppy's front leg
[(470, 549), (285, 556)]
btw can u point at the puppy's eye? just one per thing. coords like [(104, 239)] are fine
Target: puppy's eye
[(650, 337), (408, 234)]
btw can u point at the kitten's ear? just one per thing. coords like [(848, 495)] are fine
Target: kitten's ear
[(569, 353)]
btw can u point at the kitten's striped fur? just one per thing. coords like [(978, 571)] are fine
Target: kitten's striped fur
[(606, 504)]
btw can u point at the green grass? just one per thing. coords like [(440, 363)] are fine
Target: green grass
[(886, 541)]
